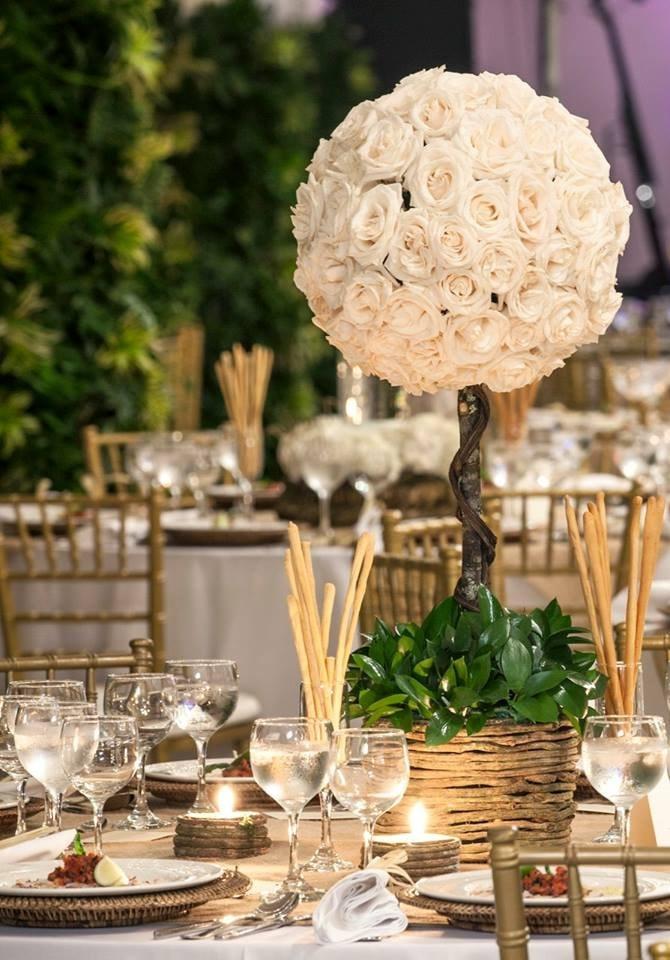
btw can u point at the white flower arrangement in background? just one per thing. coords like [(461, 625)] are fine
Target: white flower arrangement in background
[(460, 230)]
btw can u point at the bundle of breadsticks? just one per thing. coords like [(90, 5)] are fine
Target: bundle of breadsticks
[(512, 408), (592, 556), (244, 378), (323, 674)]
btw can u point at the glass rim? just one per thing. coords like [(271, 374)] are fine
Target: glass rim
[(625, 718), (197, 663), (370, 731), (106, 717), (291, 721), (49, 682), (138, 676)]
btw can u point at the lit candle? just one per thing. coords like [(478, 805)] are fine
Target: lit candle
[(223, 833), (427, 853)]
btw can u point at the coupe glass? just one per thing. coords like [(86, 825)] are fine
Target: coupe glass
[(323, 470), (290, 759), (370, 775), (624, 758), (64, 691), (326, 858), (205, 696), (150, 699), (37, 738), (9, 761), (99, 756)]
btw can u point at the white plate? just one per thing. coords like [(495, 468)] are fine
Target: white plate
[(185, 771), (603, 885), (154, 876), (594, 482), (188, 527)]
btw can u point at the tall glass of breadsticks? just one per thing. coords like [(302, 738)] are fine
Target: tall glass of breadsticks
[(591, 549), (323, 674)]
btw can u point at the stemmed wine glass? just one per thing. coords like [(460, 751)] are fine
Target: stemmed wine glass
[(205, 696), (64, 691), (9, 761), (323, 470), (99, 756), (230, 456), (290, 759), (624, 758), (370, 775), (150, 699), (37, 738)]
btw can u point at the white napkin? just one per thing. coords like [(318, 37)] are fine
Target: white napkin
[(357, 907), (39, 848)]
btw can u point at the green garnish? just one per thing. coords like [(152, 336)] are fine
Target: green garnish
[(229, 766), (77, 845)]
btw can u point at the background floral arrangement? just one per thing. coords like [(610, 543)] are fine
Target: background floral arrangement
[(460, 230)]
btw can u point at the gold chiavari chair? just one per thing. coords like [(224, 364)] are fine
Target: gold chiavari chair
[(181, 357), (404, 589), (507, 858), (42, 545), (139, 660)]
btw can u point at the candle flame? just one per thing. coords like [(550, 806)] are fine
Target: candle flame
[(225, 801), (418, 819)]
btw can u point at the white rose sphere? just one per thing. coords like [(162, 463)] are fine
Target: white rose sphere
[(460, 230)]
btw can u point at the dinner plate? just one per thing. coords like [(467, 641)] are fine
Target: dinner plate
[(153, 876), (226, 494), (186, 771), (187, 527), (601, 885)]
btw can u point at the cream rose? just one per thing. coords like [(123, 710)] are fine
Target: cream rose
[(454, 242), (340, 199), (485, 207), (438, 111), (307, 213), (583, 212), (511, 371), (439, 176), (411, 254), (578, 153), (597, 270), (501, 263), (357, 123), (471, 340), (530, 299), (522, 335), (533, 207), (511, 93), (328, 269), (410, 313), (621, 211), (566, 322), (603, 312), (556, 258), (390, 147), (540, 138), (494, 141), (374, 222), (366, 297), (462, 291)]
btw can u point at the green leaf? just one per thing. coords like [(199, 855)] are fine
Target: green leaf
[(370, 667), (475, 722), (461, 669), (443, 615), (496, 635), (544, 680), (539, 709), (415, 690), (480, 671), (516, 663), (496, 689), (449, 679), (442, 728), (572, 698), (77, 844), (462, 697), (489, 608), (403, 720), (405, 644), (462, 637), (423, 667)]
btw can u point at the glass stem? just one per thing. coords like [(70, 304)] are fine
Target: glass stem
[(140, 805), (623, 817), (368, 831), (97, 825), (52, 809), (201, 800), (293, 868), (325, 528), (326, 802), (21, 805)]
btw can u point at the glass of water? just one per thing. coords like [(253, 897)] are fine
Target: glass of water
[(9, 760), (64, 691), (624, 758), (205, 696), (150, 699), (370, 775), (290, 759), (99, 756)]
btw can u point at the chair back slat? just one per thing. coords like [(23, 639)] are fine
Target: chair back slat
[(576, 909), (405, 588), (631, 899), (71, 536), (28, 554)]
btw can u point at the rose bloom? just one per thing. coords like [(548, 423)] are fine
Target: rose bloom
[(502, 263), (346, 337), (540, 136), (523, 334), (578, 153), (366, 296), (454, 242), (597, 266), (511, 93), (621, 211), (475, 339), (328, 269), (509, 371), (566, 321), (603, 312), (390, 147), (357, 123), (308, 210), (494, 141), (461, 291), (389, 356), (340, 199), (556, 258), (410, 313), (410, 89), (477, 92), (374, 223), (485, 206), (439, 176), (438, 111), (533, 207), (583, 212), (530, 299), (411, 255)]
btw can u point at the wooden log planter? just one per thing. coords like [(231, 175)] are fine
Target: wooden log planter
[(521, 774)]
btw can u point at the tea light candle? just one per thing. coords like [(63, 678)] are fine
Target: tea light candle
[(223, 834), (427, 853)]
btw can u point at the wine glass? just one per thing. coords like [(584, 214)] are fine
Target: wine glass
[(323, 470), (290, 759), (9, 761), (370, 775), (149, 698), (37, 738), (624, 758), (251, 460), (64, 691), (205, 696), (325, 858), (99, 756)]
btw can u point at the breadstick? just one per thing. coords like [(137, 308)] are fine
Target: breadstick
[(580, 560), (632, 604), (598, 575)]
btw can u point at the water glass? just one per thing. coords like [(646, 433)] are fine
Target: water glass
[(205, 696), (99, 756), (323, 470), (150, 699), (370, 775), (9, 761), (64, 691), (624, 758), (290, 759)]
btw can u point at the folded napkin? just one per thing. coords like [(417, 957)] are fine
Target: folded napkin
[(39, 848), (357, 907)]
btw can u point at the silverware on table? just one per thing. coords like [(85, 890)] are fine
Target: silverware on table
[(274, 906)]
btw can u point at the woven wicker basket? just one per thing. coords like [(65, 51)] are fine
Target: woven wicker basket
[(508, 773)]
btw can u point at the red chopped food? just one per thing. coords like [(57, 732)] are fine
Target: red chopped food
[(241, 769), (542, 883), (77, 869)]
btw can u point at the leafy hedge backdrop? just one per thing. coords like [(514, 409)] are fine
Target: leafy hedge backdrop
[(147, 167)]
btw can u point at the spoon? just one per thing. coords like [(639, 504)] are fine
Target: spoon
[(274, 905)]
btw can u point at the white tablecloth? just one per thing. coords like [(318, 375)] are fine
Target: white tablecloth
[(220, 602)]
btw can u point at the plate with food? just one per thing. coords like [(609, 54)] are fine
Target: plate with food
[(186, 771), (79, 873), (544, 887), (225, 495)]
